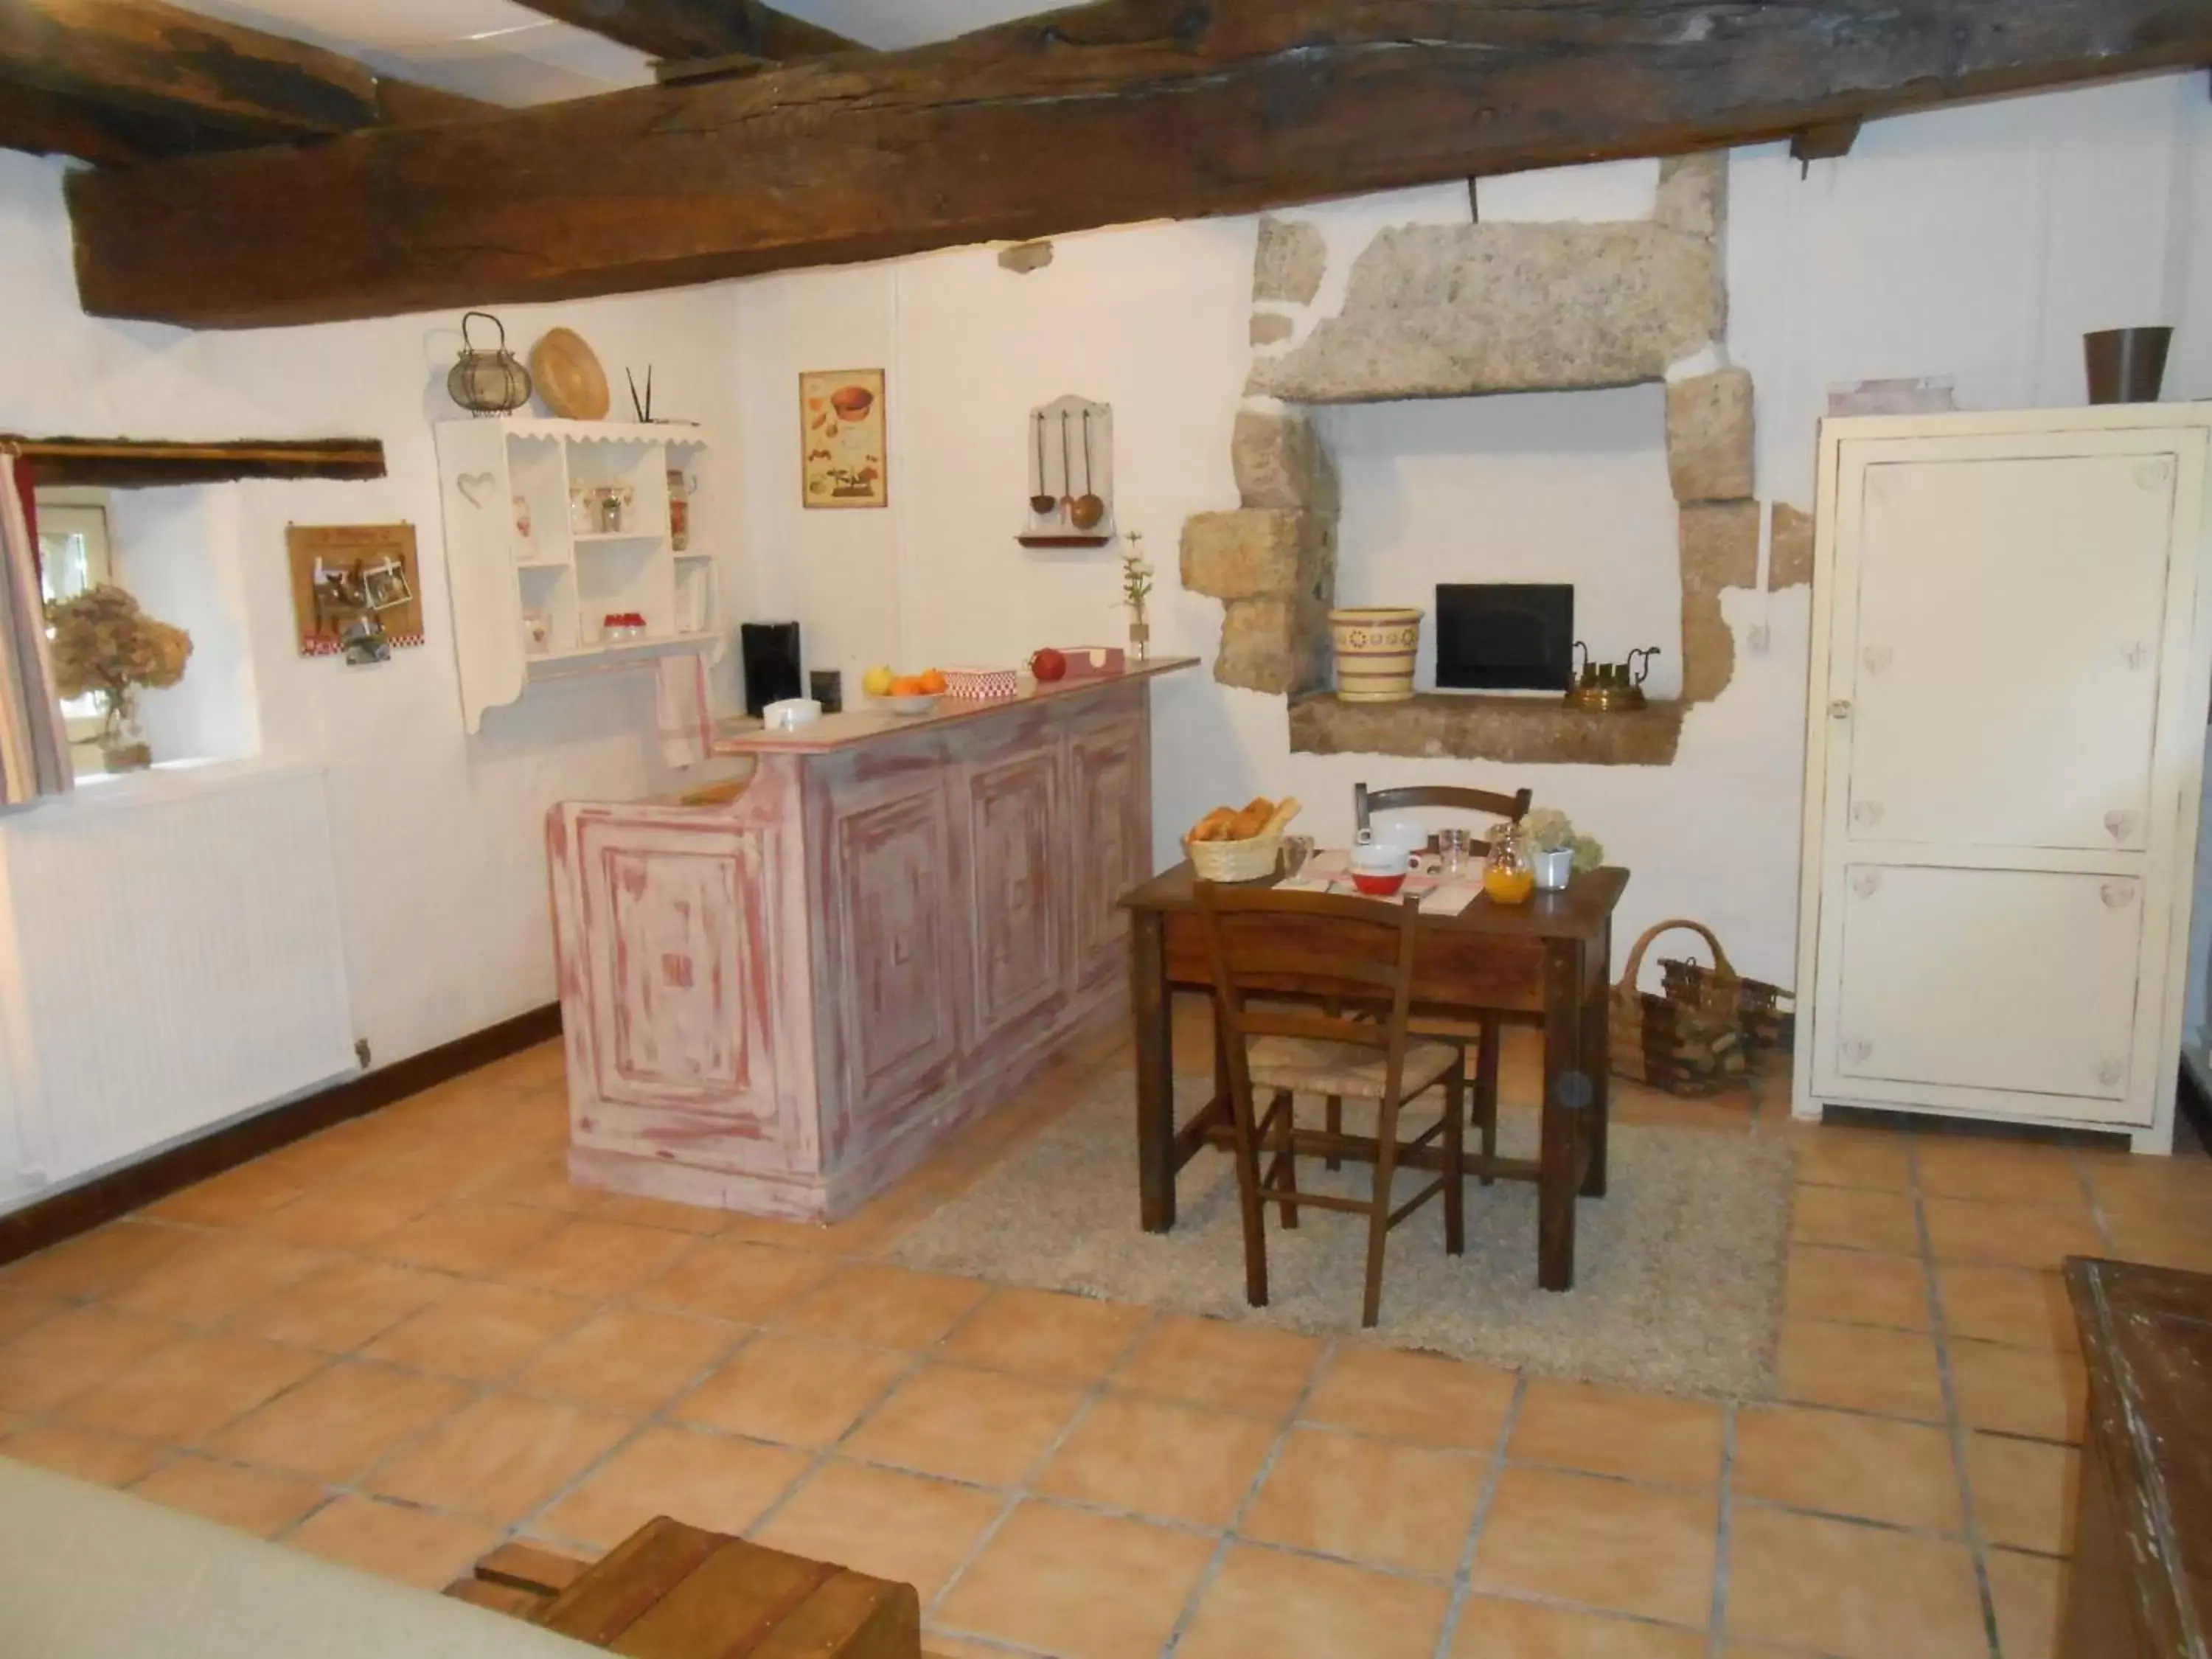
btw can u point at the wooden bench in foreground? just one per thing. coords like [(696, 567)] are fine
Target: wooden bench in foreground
[(671, 1591)]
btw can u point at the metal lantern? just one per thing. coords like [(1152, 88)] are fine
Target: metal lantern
[(487, 382)]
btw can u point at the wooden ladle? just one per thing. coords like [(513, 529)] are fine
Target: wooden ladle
[(1087, 510), (1041, 503)]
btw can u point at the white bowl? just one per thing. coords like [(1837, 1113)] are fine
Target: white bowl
[(918, 705), (791, 714), (1380, 857)]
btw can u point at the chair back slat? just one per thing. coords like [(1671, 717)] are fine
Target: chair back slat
[(1368, 967), (1366, 802), (1271, 1020)]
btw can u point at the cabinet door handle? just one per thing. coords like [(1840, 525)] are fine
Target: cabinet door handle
[(1867, 814), (2121, 826), (2111, 1073), (2117, 895), (1856, 1051), (1877, 658), (2152, 474), (1840, 709), (1866, 883)]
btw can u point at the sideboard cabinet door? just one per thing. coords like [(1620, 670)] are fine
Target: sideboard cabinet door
[(1110, 805), (893, 876), (679, 970), (1015, 953)]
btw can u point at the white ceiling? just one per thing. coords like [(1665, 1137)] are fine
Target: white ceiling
[(501, 50)]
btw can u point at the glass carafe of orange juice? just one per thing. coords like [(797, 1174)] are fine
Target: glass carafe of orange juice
[(1508, 874)]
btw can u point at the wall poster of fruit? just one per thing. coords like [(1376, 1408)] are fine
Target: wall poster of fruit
[(841, 422)]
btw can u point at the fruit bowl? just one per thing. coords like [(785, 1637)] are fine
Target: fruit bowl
[(919, 704)]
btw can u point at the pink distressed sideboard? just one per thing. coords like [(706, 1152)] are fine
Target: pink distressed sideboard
[(780, 1003)]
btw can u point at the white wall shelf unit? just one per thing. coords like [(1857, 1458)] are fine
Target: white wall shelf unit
[(518, 563), (2012, 650)]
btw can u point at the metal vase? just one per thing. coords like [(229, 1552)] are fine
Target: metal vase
[(2126, 365)]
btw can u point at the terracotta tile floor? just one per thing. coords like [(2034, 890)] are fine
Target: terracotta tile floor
[(409, 1338)]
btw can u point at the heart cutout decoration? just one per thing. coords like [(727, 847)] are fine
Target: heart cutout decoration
[(470, 483)]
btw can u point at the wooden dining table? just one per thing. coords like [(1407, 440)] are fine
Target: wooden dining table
[(1546, 961)]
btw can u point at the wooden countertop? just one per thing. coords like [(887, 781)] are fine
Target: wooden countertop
[(834, 732)]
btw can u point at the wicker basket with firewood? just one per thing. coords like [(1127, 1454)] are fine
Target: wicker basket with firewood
[(1686, 1048)]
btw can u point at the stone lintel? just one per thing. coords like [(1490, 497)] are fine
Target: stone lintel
[(1455, 311), (1518, 731)]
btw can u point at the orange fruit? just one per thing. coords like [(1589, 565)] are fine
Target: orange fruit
[(906, 685), (932, 681)]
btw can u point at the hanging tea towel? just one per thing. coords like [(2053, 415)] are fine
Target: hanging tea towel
[(683, 712)]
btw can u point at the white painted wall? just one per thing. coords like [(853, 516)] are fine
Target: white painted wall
[(438, 836), (1979, 243), (1976, 242)]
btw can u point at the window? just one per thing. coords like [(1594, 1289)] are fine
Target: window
[(73, 548), (74, 555)]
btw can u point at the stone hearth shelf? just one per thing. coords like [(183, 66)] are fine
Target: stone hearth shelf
[(1462, 727)]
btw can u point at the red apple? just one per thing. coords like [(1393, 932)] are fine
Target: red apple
[(1048, 665)]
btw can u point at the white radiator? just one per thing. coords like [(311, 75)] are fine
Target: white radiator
[(170, 957)]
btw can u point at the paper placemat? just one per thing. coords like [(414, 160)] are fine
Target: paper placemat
[(1330, 872)]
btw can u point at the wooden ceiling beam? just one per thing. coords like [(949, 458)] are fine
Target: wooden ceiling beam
[(682, 29), (51, 123), (218, 84), (1091, 116), (139, 463)]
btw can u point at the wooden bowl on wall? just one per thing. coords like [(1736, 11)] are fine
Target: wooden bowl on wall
[(568, 376)]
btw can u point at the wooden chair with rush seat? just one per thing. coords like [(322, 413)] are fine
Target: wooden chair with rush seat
[(1481, 1034), (1345, 1035)]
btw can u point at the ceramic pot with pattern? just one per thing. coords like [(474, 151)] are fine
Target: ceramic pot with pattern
[(1375, 646)]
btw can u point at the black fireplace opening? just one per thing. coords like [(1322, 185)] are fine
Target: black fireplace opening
[(1504, 636)]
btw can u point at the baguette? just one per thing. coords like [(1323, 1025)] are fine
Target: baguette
[(1280, 820), (1253, 819), (1214, 826)]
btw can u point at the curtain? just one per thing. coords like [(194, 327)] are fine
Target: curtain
[(35, 757)]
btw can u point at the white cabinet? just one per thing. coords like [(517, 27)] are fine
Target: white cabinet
[(536, 571), (2012, 658)]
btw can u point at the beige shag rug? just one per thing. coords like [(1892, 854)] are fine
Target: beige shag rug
[(1677, 1272)]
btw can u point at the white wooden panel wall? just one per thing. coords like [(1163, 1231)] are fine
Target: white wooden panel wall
[(172, 958)]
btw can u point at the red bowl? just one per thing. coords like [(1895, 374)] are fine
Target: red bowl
[(1378, 886)]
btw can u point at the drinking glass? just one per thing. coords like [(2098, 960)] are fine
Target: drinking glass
[(1451, 851), (1297, 850)]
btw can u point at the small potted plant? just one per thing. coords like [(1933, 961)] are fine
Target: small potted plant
[(1136, 588), (1559, 850), (105, 647)]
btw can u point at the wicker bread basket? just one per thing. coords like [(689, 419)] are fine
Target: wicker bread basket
[(1236, 861), (1253, 859)]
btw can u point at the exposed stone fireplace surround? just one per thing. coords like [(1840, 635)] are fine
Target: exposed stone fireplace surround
[(1457, 311)]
